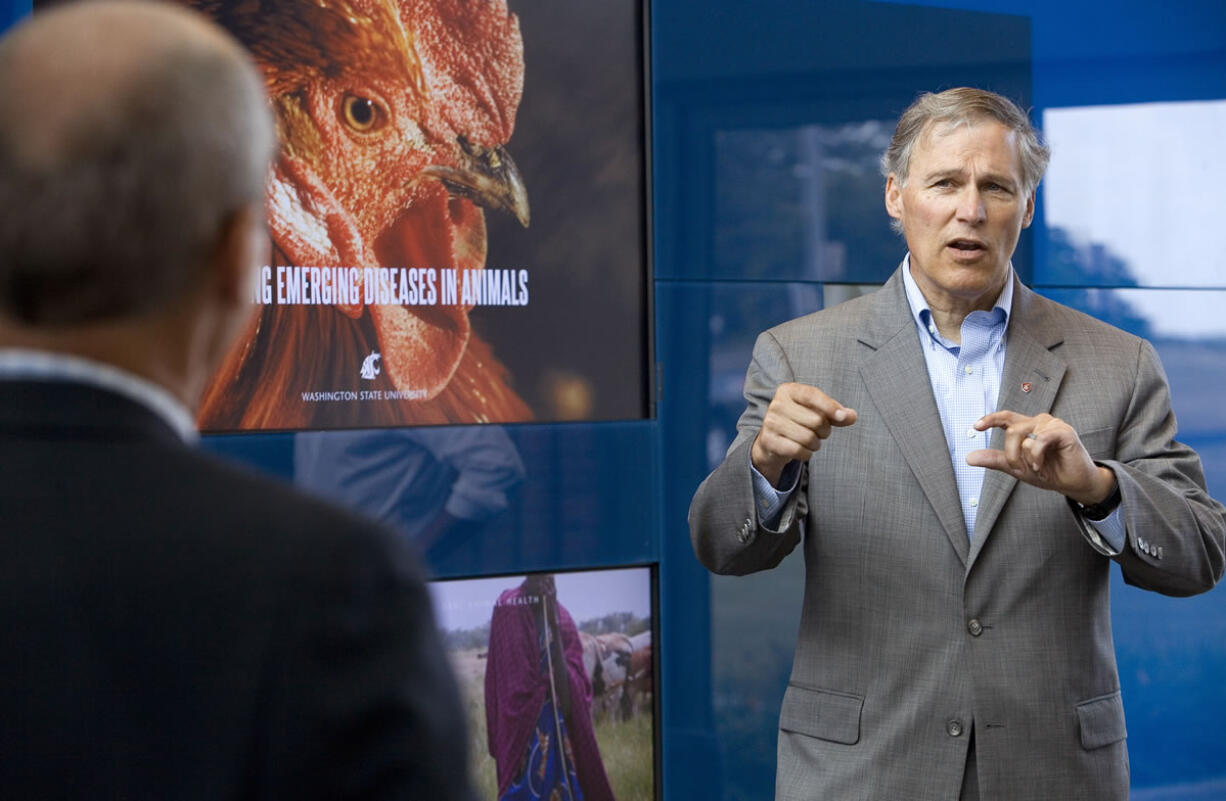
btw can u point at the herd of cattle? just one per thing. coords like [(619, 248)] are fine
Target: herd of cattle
[(620, 669)]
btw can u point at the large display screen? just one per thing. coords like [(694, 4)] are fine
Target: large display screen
[(458, 215), (558, 677)]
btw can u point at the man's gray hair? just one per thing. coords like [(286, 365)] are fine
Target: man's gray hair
[(113, 195), (966, 106)]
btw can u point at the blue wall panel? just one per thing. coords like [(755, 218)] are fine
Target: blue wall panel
[(1172, 651), (585, 494), (11, 11)]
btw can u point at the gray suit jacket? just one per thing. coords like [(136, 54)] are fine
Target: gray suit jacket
[(911, 632)]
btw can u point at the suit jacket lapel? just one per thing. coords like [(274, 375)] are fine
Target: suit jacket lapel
[(1029, 386), (896, 378)]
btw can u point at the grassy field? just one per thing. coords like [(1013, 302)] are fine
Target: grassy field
[(624, 746)]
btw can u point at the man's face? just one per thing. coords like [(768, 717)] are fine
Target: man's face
[(962, 209)]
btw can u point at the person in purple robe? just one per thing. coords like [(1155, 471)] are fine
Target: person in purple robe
[(538, 701)]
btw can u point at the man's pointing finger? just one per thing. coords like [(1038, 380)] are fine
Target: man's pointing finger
[(813, 398)]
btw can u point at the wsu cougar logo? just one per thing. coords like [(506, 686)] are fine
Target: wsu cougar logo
[(370, 366)]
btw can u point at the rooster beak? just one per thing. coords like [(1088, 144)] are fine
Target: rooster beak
[(487, 177)]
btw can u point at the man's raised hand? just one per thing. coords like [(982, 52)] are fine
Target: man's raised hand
[(1044, 451), (798, 419)]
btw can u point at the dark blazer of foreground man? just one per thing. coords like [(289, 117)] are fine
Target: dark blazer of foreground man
[(173, 628), (933, 665)]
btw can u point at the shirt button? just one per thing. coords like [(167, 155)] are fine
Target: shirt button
[(974, 502), (968, 369), (953, 728), (974, 627), (970, 433)]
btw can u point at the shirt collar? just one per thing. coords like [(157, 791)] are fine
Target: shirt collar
[(23, 364), (922, 313)]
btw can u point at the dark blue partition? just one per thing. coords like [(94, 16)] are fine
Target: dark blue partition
[(752, 100), (527, 497)]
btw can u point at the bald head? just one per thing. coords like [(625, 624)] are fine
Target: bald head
[(129, 133)]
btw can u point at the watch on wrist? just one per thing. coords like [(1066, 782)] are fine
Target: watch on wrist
[(1100, 510)]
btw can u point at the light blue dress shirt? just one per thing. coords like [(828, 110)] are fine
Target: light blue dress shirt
[(965, 381)]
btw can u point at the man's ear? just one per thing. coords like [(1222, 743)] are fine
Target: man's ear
[(893, 197), (1028, 217), (242, 249)]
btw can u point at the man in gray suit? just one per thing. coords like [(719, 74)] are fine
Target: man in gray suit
[(963, 460)]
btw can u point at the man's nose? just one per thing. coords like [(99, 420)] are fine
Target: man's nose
[(970, 205)]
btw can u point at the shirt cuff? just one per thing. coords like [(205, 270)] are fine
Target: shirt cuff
[(1111, 530), (768, 500)]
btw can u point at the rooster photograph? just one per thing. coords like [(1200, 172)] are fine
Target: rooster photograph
[(396, 119)]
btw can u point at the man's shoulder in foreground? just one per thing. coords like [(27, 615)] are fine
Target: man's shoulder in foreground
[(290, 519), (269, 631), (360, 657)]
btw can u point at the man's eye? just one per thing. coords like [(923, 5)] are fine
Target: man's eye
[(362, 114)]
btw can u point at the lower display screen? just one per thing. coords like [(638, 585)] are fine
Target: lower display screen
[(558, 676)]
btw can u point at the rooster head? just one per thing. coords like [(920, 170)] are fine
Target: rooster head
[(394, 117)]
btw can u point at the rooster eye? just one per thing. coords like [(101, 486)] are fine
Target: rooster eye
[(362, 114)]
